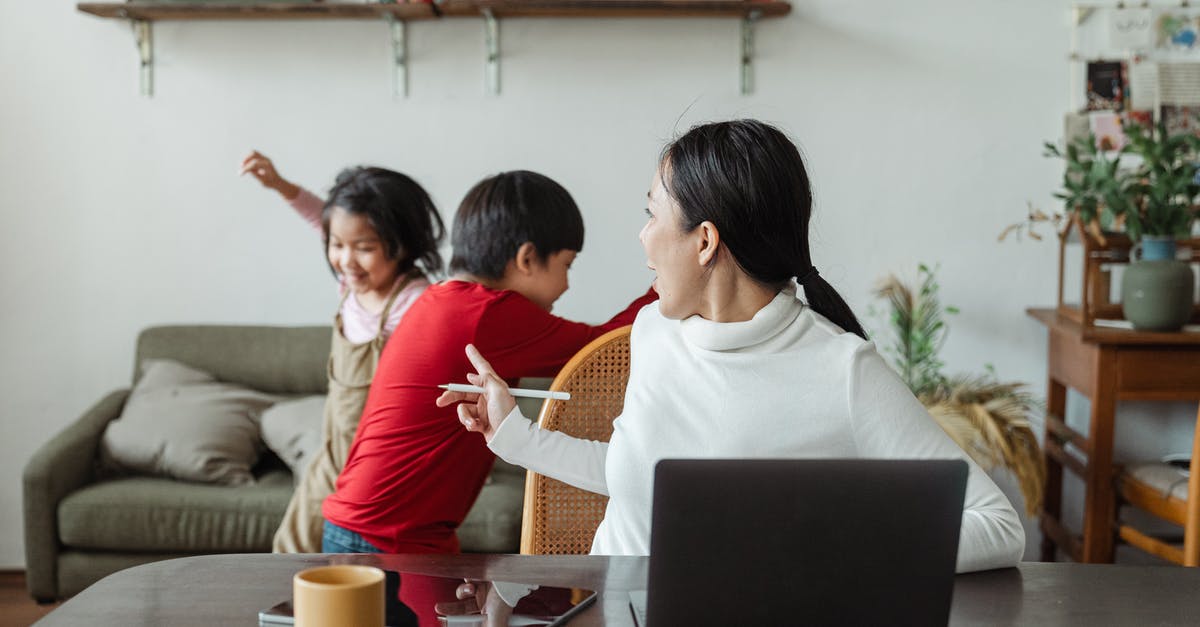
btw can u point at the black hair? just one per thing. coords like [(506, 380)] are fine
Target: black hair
[(748, 179), (398, 208), (502, 212)]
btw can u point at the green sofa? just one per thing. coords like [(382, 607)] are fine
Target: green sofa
[(81, 525)]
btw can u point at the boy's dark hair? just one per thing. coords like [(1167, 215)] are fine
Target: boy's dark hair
[(503, 212), (398, 208)]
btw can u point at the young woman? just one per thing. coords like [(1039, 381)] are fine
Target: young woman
[(730, 362)]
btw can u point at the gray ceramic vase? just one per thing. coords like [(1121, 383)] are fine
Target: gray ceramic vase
[(1156, 290)]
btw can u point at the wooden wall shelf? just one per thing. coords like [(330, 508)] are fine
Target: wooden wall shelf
[(160, 11), (613, 8), (142, 14)]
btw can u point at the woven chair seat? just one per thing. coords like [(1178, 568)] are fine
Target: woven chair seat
[(1167, 493)]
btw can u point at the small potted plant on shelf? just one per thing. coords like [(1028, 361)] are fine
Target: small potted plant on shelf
[(1157, 290), (1148, 191), (987, 418)]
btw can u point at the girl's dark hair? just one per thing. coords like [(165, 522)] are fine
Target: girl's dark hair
[(748, 179), (503, 212), (399, 210)]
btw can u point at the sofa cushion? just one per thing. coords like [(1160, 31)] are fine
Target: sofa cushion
[(278, 360), (1167, 480), (149, 514), (292, 430), (494, 523), (181, 422)]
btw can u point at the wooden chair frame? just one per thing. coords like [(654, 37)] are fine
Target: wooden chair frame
[(558, 518), (1183, 513)]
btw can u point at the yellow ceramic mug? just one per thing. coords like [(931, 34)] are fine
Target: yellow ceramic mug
[(338, 596)]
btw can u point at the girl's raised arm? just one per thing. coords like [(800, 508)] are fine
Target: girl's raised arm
[(307, 204), (260, 167)]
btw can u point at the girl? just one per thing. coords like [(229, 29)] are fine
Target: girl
[(730, 362), (381, 233)]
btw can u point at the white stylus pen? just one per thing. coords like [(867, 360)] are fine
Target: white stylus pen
[(474, 389)]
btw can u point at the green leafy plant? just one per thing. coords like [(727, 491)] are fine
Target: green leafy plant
[(1148, 188), (918, 331), (1161, 192), (1094, 186), (989, 419)]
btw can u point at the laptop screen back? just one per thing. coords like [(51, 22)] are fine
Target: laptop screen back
[(738, 542)]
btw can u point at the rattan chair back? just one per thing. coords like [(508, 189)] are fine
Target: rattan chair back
[(559, 519)]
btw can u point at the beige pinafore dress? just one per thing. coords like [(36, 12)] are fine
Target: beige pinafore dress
[(351, 369)]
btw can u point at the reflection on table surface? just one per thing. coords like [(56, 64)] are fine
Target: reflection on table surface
[(431, 601), (232, 589)]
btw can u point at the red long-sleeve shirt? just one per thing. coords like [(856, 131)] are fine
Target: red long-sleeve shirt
[(413, 472)]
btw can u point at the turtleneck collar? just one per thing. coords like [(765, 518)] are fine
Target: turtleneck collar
[(766, 323)]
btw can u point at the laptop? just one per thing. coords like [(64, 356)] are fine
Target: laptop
[(823, 542)]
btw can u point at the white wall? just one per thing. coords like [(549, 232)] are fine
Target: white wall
[(921, 120)]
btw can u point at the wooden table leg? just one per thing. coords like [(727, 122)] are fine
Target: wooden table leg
[(1098, 503), (1056, 405)]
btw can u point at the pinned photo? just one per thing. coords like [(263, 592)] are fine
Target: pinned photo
[(1105, 85), (1131, 29), (1177, 30)]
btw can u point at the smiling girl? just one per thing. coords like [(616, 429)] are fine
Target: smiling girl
[(381, 233)]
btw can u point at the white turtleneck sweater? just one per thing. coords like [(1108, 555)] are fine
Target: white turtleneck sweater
[(786, 384)]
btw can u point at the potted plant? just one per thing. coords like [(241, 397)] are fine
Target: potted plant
[(1149, 189), (987, 418), (1161, 195)]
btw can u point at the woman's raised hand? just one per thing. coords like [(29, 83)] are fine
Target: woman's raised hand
[(260, 167), (481, 412)]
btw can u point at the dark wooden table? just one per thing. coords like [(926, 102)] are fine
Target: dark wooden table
[(231, 589), (1106, 366)]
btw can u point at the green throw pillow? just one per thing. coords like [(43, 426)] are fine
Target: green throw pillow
[(182, 423), (292, 429)]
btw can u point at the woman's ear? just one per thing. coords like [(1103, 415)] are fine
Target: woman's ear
[(526, 258), (709, 243)]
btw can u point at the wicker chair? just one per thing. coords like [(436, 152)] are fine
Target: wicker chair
[(1163, 491), (559, 519)]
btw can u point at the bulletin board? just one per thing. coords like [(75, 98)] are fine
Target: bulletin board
[(1133, 62)]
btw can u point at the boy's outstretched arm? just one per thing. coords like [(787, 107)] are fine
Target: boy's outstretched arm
[(521, 339)]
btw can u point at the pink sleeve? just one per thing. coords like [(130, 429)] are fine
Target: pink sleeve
[(309, 206)]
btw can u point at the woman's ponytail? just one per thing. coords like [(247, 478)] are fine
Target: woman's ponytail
[(825, 300)]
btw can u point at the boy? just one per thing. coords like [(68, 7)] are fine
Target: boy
[(413, 472)]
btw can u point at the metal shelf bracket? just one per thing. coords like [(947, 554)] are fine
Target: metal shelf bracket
[(142, 34), (399, 31), (748, 51), (491, 34), (1082, 13)]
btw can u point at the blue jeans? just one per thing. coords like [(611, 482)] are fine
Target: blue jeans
[(336, 539)]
